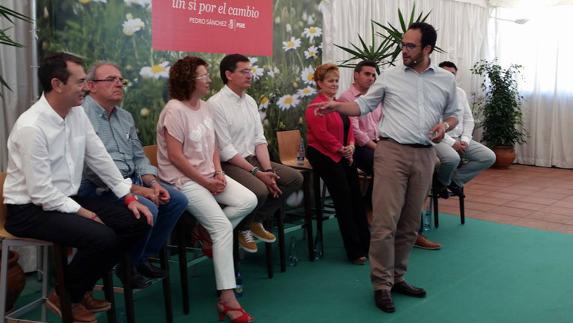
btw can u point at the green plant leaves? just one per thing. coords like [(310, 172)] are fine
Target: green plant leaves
[(501, 104)]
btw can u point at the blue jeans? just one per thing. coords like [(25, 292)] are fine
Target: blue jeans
[(164, 217)]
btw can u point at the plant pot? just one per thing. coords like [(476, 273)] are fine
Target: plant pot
[(16, 280), (504, 156)]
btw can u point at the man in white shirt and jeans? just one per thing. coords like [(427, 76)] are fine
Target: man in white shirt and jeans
[(244, 153), (458, 145), (47, 148)]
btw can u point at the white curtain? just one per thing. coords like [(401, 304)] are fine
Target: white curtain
[(543, 47), (461, 27), (17, 68)]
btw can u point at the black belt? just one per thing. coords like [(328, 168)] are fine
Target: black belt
[(409, 145)]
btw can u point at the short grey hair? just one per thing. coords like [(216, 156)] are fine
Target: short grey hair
[(92, 71)]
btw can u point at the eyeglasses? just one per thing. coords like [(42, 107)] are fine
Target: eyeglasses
[(246, 72), (113, 79), (204, 77), (408, 46)]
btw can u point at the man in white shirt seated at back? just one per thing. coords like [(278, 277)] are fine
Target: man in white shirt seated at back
[(458, 145)]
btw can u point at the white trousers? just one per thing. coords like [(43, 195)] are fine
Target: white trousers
[(238, 202)]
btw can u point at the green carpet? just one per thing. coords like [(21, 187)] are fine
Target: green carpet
[(486, 272)]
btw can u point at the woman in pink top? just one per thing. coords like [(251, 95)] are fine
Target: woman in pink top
[(188, 159), (330, 149)]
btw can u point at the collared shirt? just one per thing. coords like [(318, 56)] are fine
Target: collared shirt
[(46, 155), (365, 127), (237, 123), (413, 102), (465, 128), (118, 133)]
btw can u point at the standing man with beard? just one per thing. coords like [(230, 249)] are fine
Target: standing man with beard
[(419, 107)]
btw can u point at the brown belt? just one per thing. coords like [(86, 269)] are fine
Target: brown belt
[(409, 145)]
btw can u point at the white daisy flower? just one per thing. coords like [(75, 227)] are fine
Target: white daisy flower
[(273, 71), (131, 26), (311, 52), (288, 101), (288, 28), (307, 91), (156, 71), (312, 32), (144, 112), (292, 43), (307, 75), (253, 60), (257, 72), (264, 103)]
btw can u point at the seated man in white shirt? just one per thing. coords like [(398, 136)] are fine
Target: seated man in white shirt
[(244, 153), (47, 148), (458, 145)]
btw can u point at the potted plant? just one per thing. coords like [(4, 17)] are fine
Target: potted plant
[(501, 109)]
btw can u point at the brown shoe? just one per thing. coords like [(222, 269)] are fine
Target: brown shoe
[(95, 305), (79, 313), (423, 243), (261, 233), (246, 241)]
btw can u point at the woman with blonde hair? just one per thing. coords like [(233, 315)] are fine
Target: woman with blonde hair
[(330, 149)]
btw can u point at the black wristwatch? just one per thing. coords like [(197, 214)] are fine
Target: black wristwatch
[(255, 170)]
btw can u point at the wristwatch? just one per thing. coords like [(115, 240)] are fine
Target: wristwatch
[(447, 126), (255, 170)]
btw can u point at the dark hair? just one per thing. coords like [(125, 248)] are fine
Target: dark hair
[(448, 64), (182, 77), (360, 65), (322, 70), (56, 66), (429, 34), (229, 63)]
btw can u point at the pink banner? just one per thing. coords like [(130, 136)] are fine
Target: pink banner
[(213, 26)]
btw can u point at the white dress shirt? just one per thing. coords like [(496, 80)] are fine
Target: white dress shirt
[(465, 128), (237, 123), (46, 155), (413, 102)]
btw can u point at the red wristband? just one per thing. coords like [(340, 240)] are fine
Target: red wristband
[(128, 199)]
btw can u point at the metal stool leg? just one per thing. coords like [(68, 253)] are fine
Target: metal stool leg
[(183, 271), (308, 213), (127, 290), (281, 234), (109, 296), (164, 258), (60, 262)]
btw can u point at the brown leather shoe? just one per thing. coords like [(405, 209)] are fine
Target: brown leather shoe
[(423, 243), (383, 300), (95, 305), (359, 261), (79, 313)]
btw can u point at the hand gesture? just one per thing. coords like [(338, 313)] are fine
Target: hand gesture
[(137, 209), (89, 215), (459, 146), (161, 193), (270, 180), (437, 132), (322, 108), (150, 194), (215, 185)]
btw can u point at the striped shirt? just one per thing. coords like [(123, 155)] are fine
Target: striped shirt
[(413, 102)]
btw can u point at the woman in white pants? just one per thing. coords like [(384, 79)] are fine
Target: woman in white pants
[(188, 159)]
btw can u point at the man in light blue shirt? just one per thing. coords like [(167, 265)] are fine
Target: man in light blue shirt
[(419, 107), (116, 129)]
